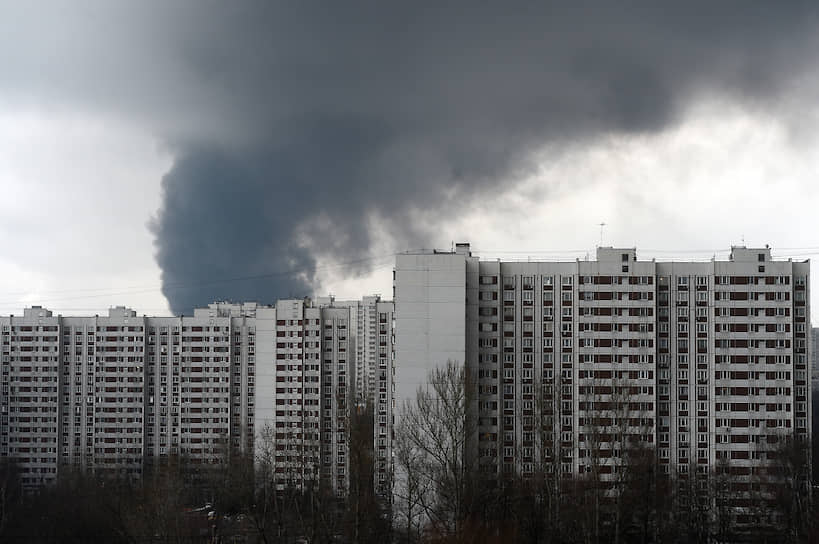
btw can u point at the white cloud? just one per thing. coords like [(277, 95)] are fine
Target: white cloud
[(723, 175), (76, 194)]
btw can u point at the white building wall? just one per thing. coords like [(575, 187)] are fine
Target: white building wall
[(430, 316)]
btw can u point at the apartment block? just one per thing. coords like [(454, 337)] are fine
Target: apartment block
[(370, 337), (30, 403), (383, 392), (705, 362), (370, 342), (110, 394), (364, 313)]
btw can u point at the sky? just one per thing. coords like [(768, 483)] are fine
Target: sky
[(164, 155)]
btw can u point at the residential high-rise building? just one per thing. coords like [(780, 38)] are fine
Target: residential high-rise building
[(371, 340), (110, 394), (364, 314), (383, 392), (368, 347), (30, 401), (706, 362)]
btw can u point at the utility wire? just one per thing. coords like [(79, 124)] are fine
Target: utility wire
[(193, 285), (102, 292)]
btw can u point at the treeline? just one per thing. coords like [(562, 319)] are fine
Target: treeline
[(442, 493), (178, 501)]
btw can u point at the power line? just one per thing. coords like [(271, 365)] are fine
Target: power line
[(102, 292), (193, 285)]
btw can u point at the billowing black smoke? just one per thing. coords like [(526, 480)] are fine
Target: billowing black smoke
[(301, 123)]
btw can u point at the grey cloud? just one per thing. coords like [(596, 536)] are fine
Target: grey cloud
[(290, 123)]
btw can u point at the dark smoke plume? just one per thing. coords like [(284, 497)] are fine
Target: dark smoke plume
[(291, 124), (352, 111)]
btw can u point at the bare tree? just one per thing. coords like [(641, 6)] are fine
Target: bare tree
[(594, 439), (367, 515), (9, 491), (632, 460), (411, 488), (537, 494), (790, 469), (435, 432)]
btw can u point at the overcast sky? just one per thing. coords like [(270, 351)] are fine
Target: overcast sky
[(161, 156)]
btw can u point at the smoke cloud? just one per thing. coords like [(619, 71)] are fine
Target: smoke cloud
[(293, 125)]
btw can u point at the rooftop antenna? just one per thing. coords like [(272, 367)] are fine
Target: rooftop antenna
[(601, 233)]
